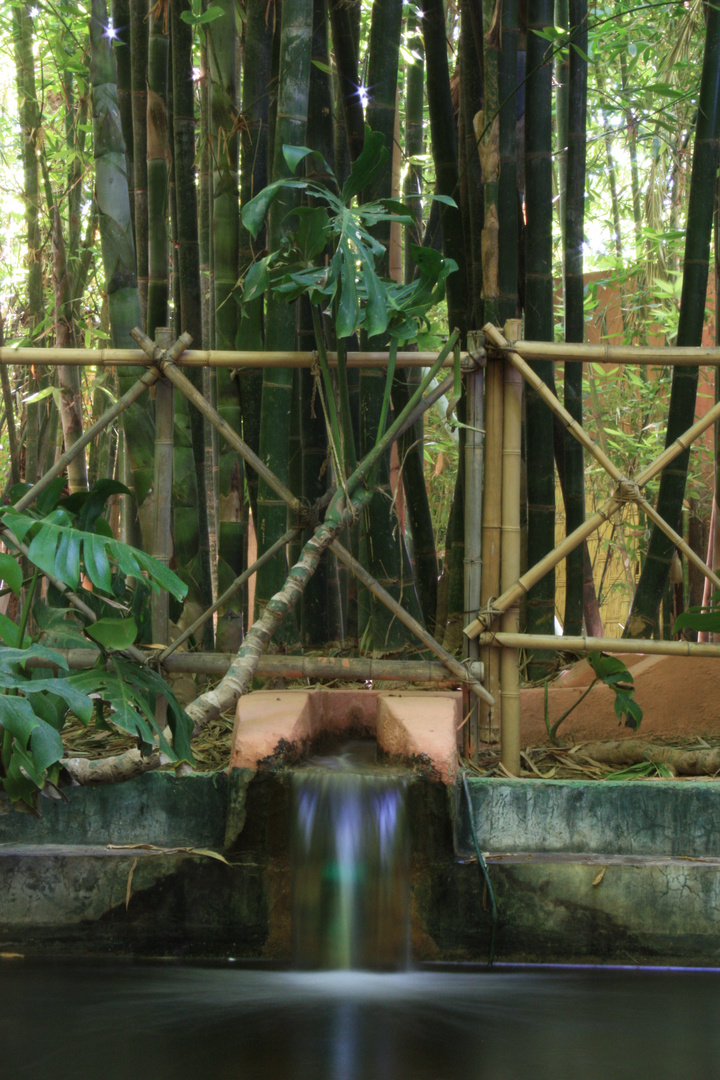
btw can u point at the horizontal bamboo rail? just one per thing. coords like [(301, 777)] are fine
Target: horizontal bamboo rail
[(356, 669), (643, 355), (51, 357), (560, 352), (641, 646)]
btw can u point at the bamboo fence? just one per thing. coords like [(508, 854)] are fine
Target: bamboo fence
[(494, 584), (495, 625)]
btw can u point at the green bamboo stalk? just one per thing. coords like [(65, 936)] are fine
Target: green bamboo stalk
[(345, 51), (205, 205), (470, 177), (573, 235), (121, 25), (194, 491), (159, 154), (290, 129), (316, 628), (30, 128), (539, 316), (444, 150), (139, 65), (507, 189), (706, 152), (414, 141), (253, 178), (379, 547), (118, 253), (224, 148)]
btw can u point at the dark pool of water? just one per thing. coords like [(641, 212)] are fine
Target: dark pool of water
[(112, 1021)]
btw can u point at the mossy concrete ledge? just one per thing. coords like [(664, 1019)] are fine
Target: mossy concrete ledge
[(622, 872)]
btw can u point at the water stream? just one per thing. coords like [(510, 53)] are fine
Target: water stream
[(350, 857)]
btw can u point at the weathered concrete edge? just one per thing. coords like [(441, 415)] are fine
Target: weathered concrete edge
[(639, 817)]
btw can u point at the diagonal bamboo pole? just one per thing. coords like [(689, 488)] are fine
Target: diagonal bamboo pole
[(136, 391), (239, 581), (453, 665), (166, 363), (531, 576)]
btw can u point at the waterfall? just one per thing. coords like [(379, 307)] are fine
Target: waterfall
[(350, 859)]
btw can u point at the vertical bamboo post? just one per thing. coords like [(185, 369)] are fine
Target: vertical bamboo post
[(473, 498), (491, 531), (510, 555), (162, 488)]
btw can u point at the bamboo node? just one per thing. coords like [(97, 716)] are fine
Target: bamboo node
[(627, 491)]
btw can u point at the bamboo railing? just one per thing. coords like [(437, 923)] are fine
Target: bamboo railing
[(495, 624), (494, 584)]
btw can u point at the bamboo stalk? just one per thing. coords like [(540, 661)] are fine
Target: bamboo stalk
[(219, 359), (491, 525), (510, 559), (474, 450), (583, 644), (162, 487), (460, 671), (229, 592), (350, 669)]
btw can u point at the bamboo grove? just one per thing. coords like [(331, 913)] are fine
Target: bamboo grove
[(509, 140)]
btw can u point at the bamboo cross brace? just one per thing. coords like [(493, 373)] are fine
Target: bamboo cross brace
[(239, 581), (166, 364), (458, 669), (533, 575), (136, 391)]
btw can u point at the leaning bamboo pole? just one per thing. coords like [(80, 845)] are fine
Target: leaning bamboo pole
[(491, 527), (460, 671), (238, 583), (510, 558), (583, 645)]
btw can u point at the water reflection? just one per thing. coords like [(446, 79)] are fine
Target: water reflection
[(113, 1021)]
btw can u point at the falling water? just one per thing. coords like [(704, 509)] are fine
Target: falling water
[(350, 878)]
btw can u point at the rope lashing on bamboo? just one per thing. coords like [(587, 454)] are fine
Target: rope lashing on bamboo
[(489, 613), (627, 491)]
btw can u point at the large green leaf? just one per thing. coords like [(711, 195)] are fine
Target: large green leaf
[(46, 552), (371, 160), (254, 212), (10, 572), (114, 633)]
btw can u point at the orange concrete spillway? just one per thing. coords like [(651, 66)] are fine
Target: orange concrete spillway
[(417, 728)]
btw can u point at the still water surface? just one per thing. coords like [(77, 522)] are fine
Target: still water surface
[(113, 1021)]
